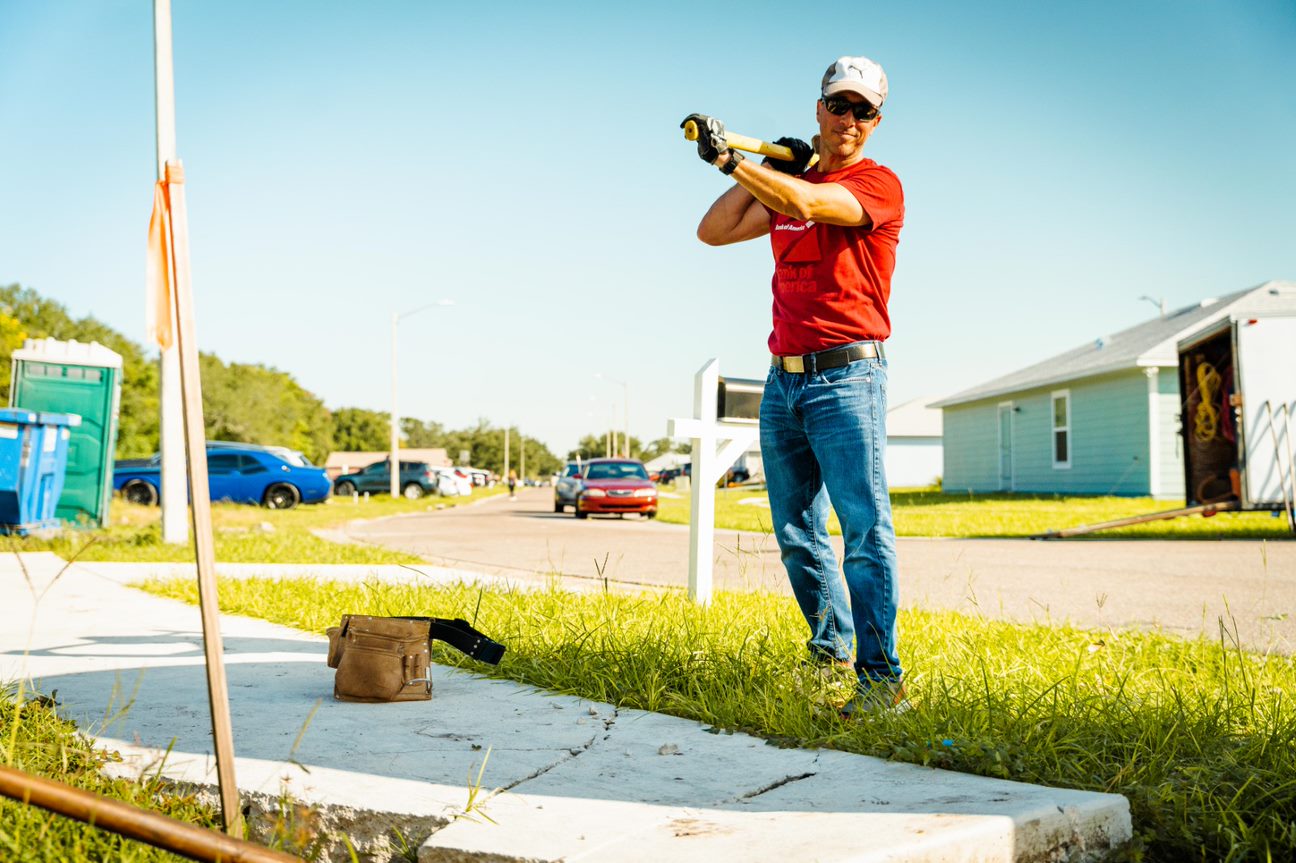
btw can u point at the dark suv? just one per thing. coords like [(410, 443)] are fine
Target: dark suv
[(417, 478)]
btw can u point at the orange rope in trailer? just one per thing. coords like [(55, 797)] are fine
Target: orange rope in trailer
[(1206, 420)]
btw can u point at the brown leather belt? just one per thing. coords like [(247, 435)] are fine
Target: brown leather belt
[(833, 358)]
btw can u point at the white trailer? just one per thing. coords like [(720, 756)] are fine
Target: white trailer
[(1237, 393), (1237, 387)]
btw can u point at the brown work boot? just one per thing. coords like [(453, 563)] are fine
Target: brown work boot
[(882, 696), (827, 679)]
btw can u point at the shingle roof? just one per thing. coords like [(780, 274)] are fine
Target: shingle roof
[(1151, 343)]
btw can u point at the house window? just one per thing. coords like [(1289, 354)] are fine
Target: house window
[(1062, 429)]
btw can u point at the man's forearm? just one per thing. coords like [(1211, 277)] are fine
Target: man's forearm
[(774, 189), (723, 222), (796, 198)]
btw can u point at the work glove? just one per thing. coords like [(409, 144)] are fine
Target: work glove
[(711, 137), (801, 155)]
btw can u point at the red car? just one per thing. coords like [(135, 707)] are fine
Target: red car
[(616, 485)]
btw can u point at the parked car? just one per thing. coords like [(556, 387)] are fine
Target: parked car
[(240, 473), (452, 481), (417, 478), (735, 476), (615, 485), (567, 487), (480, 476)]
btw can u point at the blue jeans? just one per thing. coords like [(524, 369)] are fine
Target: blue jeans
[(823, 438)]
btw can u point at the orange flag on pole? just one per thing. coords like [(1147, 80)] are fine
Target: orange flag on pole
[(161, 269)]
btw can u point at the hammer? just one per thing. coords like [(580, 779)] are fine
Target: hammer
[(751, 145)]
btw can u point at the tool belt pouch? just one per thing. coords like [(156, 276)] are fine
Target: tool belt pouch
[(380, 659)]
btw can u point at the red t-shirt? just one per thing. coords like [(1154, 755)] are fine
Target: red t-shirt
[(831, 283)]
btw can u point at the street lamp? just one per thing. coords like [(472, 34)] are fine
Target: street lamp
[(1160, 303), (394, 456), (626, 387)]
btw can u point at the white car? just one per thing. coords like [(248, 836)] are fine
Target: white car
[(452, 482)]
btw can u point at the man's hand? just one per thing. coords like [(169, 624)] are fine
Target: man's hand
[(711, 141), (801, 155)]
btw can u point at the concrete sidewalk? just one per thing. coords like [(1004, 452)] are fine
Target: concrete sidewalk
[(582, 781)]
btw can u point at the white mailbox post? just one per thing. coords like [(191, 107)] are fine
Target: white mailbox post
[(716, 446)]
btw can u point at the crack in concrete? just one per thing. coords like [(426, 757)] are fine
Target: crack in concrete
[(778, 783), (572, 754)]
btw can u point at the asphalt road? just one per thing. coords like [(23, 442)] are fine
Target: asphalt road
[(1183, 587)]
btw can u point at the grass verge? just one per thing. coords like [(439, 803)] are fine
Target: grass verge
[(35, 739), (1199, 736), (245, 534), (930, 512)]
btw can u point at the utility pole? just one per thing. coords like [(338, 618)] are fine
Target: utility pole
[(393, 457), (393, 454), (625, 439), (174, 490)]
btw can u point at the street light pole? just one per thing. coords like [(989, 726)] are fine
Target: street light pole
[(626, 429), (393, 458)]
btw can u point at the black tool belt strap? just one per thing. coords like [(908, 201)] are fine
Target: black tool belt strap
[(460, 635)]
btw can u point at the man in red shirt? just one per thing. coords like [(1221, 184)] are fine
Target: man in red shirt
[(833, 228)]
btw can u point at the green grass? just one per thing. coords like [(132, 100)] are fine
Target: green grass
[(35, 739), (929, 512), (243, 534), (1200, 736)]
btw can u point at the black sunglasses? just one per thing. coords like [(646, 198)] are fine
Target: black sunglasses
[(862, 111)]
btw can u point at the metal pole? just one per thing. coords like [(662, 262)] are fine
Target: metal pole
[(179, 837), (521, 457), (175, 526), (626, 386), (393, 456), (506, 453)]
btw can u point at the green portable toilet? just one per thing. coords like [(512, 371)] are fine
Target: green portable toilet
[(83, 379)]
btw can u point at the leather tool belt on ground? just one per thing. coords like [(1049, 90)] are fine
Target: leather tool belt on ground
[(386, 658)]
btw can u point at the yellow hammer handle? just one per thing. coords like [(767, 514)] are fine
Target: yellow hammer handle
[(742, 142)]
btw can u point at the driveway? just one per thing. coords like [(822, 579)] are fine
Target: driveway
[(1183, 587)]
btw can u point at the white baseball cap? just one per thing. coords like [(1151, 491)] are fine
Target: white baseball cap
[(858, 75)]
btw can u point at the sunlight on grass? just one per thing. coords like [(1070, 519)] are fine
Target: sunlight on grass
[(1198, 735), (929, 512), (38, 741), (246, 534)]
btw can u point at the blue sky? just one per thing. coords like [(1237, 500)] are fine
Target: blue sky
[(345, 161)]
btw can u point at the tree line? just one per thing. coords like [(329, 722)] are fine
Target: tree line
[(249, 402)]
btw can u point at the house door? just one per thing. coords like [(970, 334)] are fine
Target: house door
[(1005, 446)]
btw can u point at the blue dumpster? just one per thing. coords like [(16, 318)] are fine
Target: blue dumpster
[(33, 461)]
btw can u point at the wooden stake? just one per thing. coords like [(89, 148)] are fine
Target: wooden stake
[(200, 505)]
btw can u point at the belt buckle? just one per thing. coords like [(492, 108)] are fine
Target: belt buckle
[(796, 365)]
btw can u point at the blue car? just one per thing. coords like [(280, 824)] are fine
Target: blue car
[(273, 477)]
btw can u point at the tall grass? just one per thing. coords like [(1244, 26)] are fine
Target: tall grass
[(1199, 735), (35, 739)]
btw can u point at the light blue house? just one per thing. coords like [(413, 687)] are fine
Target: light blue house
[(1100, 419)]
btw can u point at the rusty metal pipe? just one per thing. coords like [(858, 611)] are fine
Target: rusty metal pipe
[(178, 837)]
